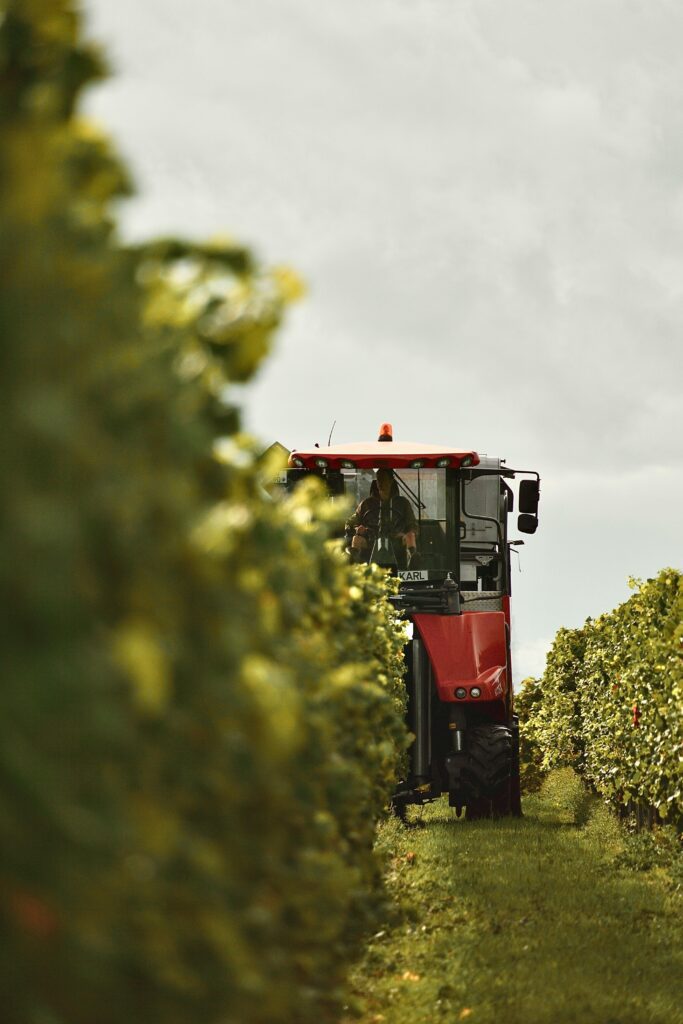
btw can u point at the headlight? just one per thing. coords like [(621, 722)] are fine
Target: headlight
[(475, 692), (461, 692)]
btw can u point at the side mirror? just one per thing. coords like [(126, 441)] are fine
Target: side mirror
[(529, 493), (527, 523)]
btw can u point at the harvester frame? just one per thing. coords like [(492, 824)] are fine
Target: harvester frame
[(455, 597)]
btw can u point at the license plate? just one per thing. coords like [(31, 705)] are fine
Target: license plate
[(408, 575)]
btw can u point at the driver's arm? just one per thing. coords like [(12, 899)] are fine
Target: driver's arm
[(356, 520)]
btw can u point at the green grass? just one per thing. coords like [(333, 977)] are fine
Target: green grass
[(523, 922)]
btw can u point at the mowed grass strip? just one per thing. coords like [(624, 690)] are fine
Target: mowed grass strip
[(522, 922)]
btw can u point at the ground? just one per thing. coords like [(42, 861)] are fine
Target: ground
[(543, 919)]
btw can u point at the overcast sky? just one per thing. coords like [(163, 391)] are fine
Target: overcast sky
[(485, 199)]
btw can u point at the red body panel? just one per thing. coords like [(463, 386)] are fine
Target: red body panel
[(506, 612), (466, 650), (392, 454)]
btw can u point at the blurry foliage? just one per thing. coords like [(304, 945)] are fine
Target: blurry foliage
[(611, 700), (201, 705)]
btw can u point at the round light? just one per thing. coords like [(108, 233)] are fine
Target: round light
[(321, 463), (475, 692), (467, 461), (442, 463), (347, 464), (461, 692), (417, 463), (298, 463)]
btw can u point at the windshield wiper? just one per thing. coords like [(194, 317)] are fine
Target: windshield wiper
[(408, 490)]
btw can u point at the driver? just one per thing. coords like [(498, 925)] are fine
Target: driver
[(363, 525)]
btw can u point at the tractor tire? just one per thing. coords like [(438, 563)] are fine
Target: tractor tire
[(501, 803), (489, 763), (477, 809)]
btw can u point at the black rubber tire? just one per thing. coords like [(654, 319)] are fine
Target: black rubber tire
[(501, 803), (488, 767), (478, 808)]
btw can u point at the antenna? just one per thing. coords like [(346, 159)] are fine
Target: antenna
[(329, 440)]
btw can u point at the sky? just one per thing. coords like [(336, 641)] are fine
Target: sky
[(485, 201)]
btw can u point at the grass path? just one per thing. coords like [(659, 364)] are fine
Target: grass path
[(522, 922)]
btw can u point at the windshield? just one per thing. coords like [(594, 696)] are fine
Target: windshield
[(427, 523), (399, 519)]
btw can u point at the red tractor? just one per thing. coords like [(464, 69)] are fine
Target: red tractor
[(437, 517)]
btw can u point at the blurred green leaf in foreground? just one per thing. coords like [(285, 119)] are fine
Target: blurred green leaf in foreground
[(198, 724)]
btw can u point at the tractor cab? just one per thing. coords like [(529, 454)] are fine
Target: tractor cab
[(437, 517)]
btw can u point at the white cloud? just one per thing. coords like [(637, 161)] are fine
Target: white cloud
[(529, 659), (486, 201)]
